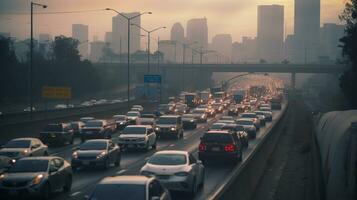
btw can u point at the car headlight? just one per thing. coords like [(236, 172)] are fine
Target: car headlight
[(191, 120), (2, 176), (173, 128), (147, 173), (182, 174), (101, 155), (157, 128), (203, 116), (24, 152), (75, 155), (121, 123), (37, 179)]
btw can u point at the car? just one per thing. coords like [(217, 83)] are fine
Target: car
[(261, 118), (252, 116), (177, 170), (96, 153), (240, 131), (265, 109), (265, 105), (86, 119), (201, 114), (130, 188), (147, 119), (227, 118), (141, 108), (189, 121), (28, 109), (24, 147), (249, 126), (275, 103), (181, 109), (268, 115), (220, 145), (121, 121), (169, 125), (77, 127), (5, 163), (226, 121), (138, 137), (37, 176), (218, 107), (133, 117), (217, 126), (233, 110), (98, 129), (61, 133), (165, 109)]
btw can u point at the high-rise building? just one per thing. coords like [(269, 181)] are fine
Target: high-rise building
[(177, 33), (120, 33), (167, 47), (96, 50), (330, 34), (270, 32), (306, 29), (108, 38), (245, 51), (80, 32), (222, 43), (197, 31)]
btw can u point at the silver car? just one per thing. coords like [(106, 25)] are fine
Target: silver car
[(24, 147), (177, 170), (138, 137)]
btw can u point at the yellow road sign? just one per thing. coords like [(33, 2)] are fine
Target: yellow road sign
[(56, 92)]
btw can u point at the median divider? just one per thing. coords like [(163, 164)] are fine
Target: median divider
[(244, 179)]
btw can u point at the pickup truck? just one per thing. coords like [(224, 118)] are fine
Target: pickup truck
[(98, 129)]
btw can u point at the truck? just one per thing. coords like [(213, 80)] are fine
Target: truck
[(238, 96), (191, 99)]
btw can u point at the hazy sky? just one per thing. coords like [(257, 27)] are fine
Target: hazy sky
[(237, 17)]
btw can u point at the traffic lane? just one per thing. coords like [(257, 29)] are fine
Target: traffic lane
[(85, 180)]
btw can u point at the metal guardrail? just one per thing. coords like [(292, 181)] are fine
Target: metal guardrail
[(244, 178)]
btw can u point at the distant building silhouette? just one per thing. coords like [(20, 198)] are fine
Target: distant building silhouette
[(245, 51), (120, 33), (108, 38), (222, 43), (96, 50), (80, 32), (167, 47), (306, 29), (330, 34), (178, 32), (44, 45), (270, 33), (197, 31)]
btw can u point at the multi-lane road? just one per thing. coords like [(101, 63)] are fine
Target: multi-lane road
[(85, 180)]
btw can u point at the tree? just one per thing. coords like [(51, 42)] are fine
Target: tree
[(348, 81), (65, 50)]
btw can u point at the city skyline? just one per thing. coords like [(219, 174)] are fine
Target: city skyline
[(233, 24)]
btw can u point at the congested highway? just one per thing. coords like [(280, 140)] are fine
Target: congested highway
[(225, 103)]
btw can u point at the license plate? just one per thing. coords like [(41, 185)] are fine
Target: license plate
[(13, 192), (85, 162), (215, 149)]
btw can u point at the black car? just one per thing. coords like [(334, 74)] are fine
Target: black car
[(189, 122), (36, 176), (96, 153), (220, 146), (60, 133), (77, 127), (121, 121), (169, 125)]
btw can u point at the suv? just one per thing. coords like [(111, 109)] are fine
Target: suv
[(60, 133), (170, 125), (98, 129), (216, 145), (138, 137)]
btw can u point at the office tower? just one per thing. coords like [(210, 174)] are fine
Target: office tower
[(80, 33), (197, 31), (330, 34), (108, 38), (178, 33), (270, 33), (120, 33), (96, 51), (306, 29), (222, 43)]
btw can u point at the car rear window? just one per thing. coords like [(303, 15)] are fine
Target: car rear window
[(134, 130), (168, 159), (94, 145), (118, 192), (167, 120), (217, 137)]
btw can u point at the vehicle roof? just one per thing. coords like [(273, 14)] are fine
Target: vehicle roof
[(40, 158), (244, 119), (119, 115), (97, 120), (170, 116), (15, 139), (132, 111), (142, 180), (97, 140), (218, 132), (139, 126), (172, 152)]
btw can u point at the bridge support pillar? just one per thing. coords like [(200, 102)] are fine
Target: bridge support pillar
[(293, 80)]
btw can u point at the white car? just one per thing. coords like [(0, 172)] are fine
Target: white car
[(177, 170), (138, 137), (141, 108), (133, 117)]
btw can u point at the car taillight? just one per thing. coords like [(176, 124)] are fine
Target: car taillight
[(202, 147), (229, 148)]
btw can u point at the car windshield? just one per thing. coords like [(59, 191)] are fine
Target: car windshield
[(119, 118), (94, 145), (239, 128), (132, 114), (167, 120), (216, 137), (168, 159), (249, 115), (118, 192), (199, 111), (217, 126), (94, 124), (134, 130), (53, 127), (29, 166), (245, 122), (18, 144)]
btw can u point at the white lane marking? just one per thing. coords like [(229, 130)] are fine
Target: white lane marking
[(75, 194), (121, 171)]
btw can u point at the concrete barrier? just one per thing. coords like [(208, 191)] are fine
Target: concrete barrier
[(245, 177)]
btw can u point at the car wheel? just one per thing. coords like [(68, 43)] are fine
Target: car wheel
[(117, 161), (46, 192), (68, 184)]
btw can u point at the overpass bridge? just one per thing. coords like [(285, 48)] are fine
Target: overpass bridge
[(200, 74)]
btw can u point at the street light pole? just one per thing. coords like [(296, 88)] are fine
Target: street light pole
[(129, 23), (31, 57)]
